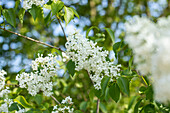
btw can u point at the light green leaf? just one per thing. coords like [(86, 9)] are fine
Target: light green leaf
[(83, 105), (10, 16), (56, 7), (47, 18), (124, 84), (75, 12), (92, 27), (21, 15), (38, 99), (111, 34), (71, 67), (114, 92), (21, 100), (69, 14)]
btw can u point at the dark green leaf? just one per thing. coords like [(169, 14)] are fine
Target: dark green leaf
[(47, 18), (21, 15), (10, 16), (56, 7), (71, 67), (137, 106), (114, 92), (104, 83), (13, 107), (150, 108), (124, 85), (75, 12), (69, 14), (21, 100), (97, 93), (149, 93), (111, 34), (0, 10), (93, 27)]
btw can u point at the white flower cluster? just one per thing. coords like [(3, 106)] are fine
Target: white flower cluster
[(2, 84), (4, 107), (64, 107), (87, 55), (27, 4), (150, 45), (140, 35), (41, 78), (2, 79)]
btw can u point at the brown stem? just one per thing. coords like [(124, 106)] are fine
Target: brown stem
[(98, 103), (28, 38), (55, 99), (62, 28)]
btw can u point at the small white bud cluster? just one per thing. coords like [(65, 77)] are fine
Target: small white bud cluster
[(150, 45), (64, 107), (41, 78), (87, 55)]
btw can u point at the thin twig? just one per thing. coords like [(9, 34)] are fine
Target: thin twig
[(98, 103), (28, 38), (12, 85), (62, 28), (55, 99)]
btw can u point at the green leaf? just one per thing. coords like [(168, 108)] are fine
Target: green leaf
[(13, 107), (103, 108), (91, 94), (104, 83), (75, 12), (124, 85), (38, 99), (17, 2), (1, 9), (78, 111), (69, 14), (111, 34), (21, 100), (71, 67), (93, 27), (132, 100), (10, 16), (21, 15), (114, 92), (149, 93), (36, 12), (83, 105), (150, 108), (47, 18), (107, 94), (137, 106), (56, 7)]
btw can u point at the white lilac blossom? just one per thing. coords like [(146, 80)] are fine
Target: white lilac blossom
[(27, 4), (150, 44), (20, 110), (41, 78), (87, 55), (141, 35), (4, 107), (64, 107), (2, 79)]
